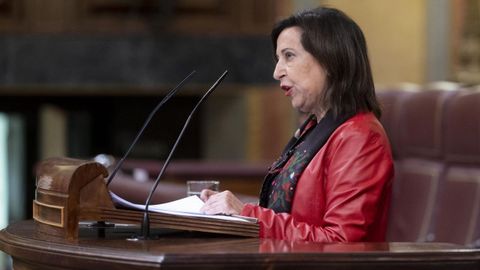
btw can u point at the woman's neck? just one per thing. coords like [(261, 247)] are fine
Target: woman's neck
[(319, 114)]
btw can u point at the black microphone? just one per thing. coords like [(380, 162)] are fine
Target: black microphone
[(146, 220), (147, 121)]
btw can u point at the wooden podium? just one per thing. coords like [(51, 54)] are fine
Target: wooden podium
[(31, 249), (70, 191)]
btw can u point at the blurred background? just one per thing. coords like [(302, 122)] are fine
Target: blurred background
[(78, 78)]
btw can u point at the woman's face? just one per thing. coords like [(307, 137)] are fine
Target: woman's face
[(300, 75)]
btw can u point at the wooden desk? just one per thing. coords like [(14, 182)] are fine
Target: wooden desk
[(184, 250)]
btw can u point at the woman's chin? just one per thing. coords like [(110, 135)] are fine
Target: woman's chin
[(295, 104), (298, 107)]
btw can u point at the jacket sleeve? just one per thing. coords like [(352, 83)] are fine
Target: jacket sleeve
[(357, 182)]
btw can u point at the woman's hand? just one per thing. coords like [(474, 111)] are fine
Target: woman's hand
[(220, 203), (206, 193)]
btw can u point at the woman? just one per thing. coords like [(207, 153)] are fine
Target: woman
[(333, 180)]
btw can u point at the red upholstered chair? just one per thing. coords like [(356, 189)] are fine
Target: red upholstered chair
[(419, 165), (458, 206), (413, 199), (462, 128), (390, 101), (420, 121)]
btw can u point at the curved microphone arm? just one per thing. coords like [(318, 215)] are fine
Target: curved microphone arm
[(146, 221), (149, 118)]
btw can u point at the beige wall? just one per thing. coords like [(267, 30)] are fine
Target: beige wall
[(396, 36)]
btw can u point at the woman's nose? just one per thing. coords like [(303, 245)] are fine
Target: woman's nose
[(279, 71)]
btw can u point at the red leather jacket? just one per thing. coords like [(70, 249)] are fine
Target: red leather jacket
[(344, 193)]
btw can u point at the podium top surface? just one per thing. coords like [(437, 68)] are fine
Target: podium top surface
[(112, 249)]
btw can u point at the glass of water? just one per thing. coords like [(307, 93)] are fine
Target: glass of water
[(195, 187)]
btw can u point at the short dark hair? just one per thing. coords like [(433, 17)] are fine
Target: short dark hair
[(338, 44)]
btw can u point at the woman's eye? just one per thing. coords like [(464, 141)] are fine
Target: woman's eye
[(288, 55)]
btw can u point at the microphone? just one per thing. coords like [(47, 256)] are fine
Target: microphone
[(146, 220), (147, 121)]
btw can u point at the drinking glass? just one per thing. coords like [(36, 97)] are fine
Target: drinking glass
[(195, 187)]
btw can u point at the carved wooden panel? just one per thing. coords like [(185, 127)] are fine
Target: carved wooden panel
[(139, 16), (466, 41), (11, 15), (181, 16)]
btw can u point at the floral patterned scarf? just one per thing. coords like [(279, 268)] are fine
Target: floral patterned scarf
[(280, 182)]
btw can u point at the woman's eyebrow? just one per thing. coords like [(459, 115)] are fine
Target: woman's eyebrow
[(285, 49)]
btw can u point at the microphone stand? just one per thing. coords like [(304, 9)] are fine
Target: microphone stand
[(147, 121), (101, 225), (145, 229)]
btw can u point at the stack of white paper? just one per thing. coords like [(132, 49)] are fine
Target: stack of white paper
[(188, 206)]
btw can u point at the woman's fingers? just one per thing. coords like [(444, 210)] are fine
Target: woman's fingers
[(206, 193), (222, 203)]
